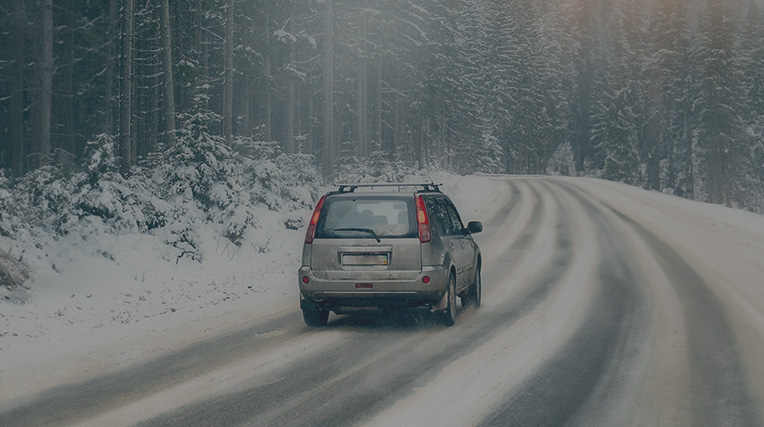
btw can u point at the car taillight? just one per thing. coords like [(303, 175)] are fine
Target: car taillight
[(313, 221), (423, 221)]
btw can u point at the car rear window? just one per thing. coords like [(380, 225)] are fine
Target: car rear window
[(367, 217)]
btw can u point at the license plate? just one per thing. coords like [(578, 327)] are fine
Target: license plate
[(365, 259)]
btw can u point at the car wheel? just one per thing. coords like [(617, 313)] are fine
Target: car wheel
[(476, 290), (314, 317), (449, 315)]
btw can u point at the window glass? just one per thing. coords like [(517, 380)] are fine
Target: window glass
[(443, 217), (456, 223), (358, 217), (437, 216)]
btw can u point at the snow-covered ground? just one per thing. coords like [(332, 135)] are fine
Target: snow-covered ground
[(102, 305), (632, 307)]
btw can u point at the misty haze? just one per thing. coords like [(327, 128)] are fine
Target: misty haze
[(594, 169)]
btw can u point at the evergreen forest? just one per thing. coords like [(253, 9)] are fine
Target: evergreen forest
[(663, 94)]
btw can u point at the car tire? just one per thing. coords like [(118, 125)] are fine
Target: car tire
[(314, 317), (475, 294), (448, 317)]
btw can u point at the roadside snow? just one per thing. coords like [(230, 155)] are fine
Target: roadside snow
[(96, 310)]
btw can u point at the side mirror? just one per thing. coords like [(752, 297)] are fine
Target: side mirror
[(474, 227)]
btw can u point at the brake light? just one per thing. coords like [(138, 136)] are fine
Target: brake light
[(422, 221), (313, 221)]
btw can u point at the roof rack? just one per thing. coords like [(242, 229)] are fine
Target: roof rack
[(349, 188)]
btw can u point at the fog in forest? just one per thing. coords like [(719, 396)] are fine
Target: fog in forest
[(664, 94)]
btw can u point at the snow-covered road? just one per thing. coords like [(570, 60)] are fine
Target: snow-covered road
[(603, 304)]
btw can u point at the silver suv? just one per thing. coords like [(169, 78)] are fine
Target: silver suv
[(388, 247)]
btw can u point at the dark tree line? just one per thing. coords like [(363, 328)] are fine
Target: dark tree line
[(676, 101), (666, 94)]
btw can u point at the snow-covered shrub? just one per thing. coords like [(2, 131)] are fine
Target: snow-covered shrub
[(194, 181), (43, 200), (487, 157), (6, 201), (13, 273), (293, 220), (377, 167), (196, 164), (199, 185), (101, 157), (254, 148), (208, 181), (237, 220), (287, 182), (562, 161), (181, 234), (47, 202), (100, 191)]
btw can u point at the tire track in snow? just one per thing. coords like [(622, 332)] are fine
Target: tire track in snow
[(465, 391), (594, 355), (725, 248), (720, 394), (70, 403), (356, 382), (355, 399)]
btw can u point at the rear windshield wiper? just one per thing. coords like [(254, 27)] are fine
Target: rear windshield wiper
[(362, 230)]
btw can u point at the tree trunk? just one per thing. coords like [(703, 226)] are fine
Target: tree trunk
[(187, 20), (64, 107), (422, 131), (363, 142), (309, 141), (378, 108), (298, 118), (289, 137), (268, 78), (396, 126), (169, 83), (126, 90), (361, 125), (197, 37), (46, 84), (110, 67), (134, 109), (16, 119), (228, 114), (252, 110), (153, 131), (328, 151)]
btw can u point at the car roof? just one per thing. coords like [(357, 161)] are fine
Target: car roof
[(387, 188)]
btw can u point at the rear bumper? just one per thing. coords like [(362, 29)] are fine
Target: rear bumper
[(352, 293)]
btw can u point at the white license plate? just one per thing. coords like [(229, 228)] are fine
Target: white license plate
[(365, 259)]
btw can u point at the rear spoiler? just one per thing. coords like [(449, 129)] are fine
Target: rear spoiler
[(349, 188)]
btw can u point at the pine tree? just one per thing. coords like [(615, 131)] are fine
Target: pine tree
[(719, 134), (614, 123), (168, 75), (126, 91)]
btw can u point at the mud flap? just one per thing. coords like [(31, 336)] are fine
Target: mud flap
[(442, 305), (305, 304)]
